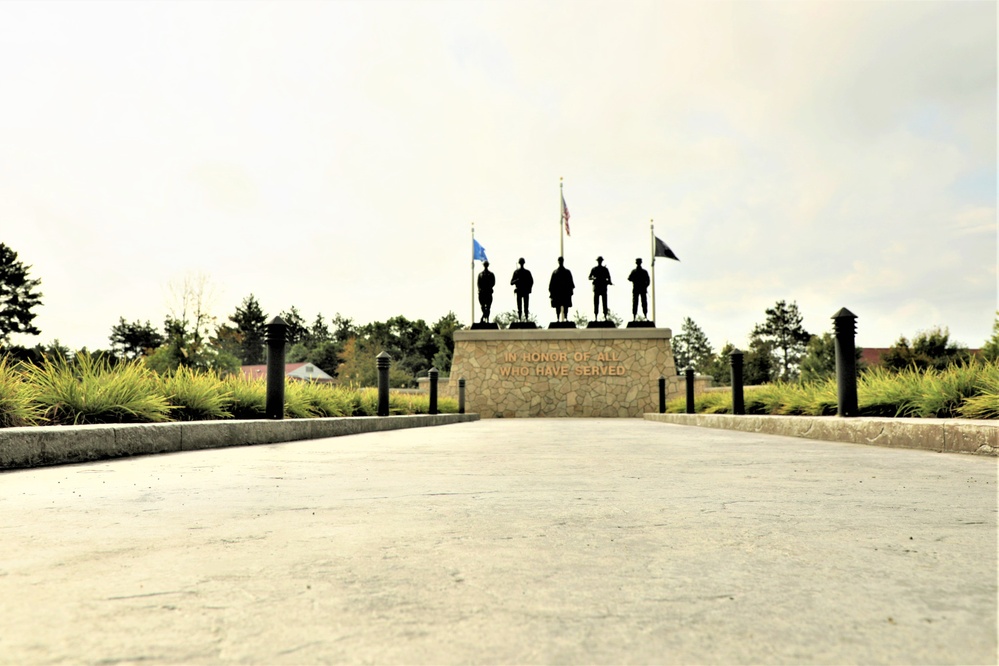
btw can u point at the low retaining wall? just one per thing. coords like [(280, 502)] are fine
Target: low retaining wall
[(943, 435), (57, 445)]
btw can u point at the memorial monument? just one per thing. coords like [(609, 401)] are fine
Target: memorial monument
[(561, 371)]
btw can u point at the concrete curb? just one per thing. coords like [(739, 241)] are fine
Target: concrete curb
[(58, 445), (943, 435)]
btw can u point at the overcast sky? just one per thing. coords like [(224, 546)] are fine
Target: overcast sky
[(334, 155)]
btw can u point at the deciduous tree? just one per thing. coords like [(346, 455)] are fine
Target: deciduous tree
[(929, 349)]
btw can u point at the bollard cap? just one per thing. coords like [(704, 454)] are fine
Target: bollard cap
[(432, 371), (843, 313), (276, 330)]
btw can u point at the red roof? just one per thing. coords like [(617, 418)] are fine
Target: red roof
[(260, 371)]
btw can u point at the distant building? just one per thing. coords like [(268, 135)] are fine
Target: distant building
[(306, 372), (871, 356)]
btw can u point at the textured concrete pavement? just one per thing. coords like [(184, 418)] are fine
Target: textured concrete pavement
[(505, 541)]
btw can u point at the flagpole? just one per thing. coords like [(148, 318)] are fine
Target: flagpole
[(473, 275), (561, 219), (652, 232)]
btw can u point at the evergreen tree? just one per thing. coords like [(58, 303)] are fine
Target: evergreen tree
[(319, 332), (18, 296), (785, 336), (758, 362), (297, 330), (720, 367), (691, 348), (443, 333), (130, 340), (250, 321), (990, 350)]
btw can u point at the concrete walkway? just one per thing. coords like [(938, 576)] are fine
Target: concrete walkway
[(505, 541)]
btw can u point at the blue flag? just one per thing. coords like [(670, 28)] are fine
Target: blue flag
[(478, 252)]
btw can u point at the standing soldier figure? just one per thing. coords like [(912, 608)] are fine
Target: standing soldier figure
[(639, 279), (486, 282), (600, 277), (522, 283), (560, 289)]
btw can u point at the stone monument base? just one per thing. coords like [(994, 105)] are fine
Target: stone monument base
[(606, 372)]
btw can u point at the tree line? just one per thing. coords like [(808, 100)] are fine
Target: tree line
[(780, 349)]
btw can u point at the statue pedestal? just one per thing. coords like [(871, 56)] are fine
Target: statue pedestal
[(602, 372), (642, 324), (522, 324), (601, 324), (485, 326)]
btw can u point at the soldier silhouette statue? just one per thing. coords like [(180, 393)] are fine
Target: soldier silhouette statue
[(640, 281), (522, 283), (485, 283), (560, 289), (600, 277)]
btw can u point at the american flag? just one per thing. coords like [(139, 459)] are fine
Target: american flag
[(565, 217)]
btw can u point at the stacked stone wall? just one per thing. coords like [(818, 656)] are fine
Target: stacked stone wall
[(563, 372)]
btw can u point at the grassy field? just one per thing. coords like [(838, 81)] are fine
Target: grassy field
[(965, 391), (91, 391)]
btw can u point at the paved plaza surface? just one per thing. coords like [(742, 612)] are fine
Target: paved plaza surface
[(568, 541)]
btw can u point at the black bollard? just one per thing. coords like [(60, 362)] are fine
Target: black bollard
[(662, 394), (738, 402), (382, 361), (845, 324), (689, 372), (461, 395), (275, 336), (433, 390)]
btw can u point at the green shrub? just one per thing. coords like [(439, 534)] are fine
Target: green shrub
[(92, 391), (18, 404), (196, 396)]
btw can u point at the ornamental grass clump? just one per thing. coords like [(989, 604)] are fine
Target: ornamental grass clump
[(196, 396), (247, 398), (881, 392), (944, 391), (985, 403), (323, 400), (18, 406), (92, 391), (298, 400)]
